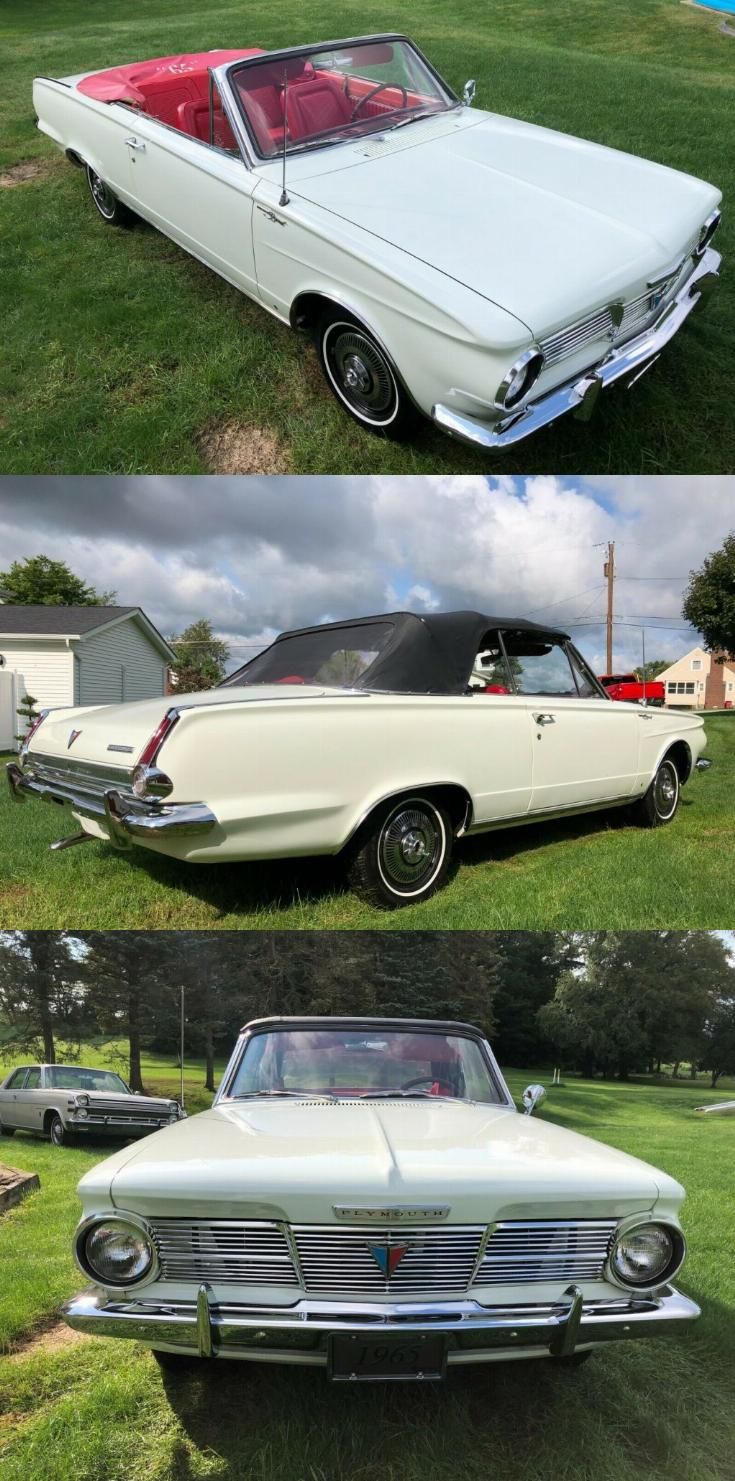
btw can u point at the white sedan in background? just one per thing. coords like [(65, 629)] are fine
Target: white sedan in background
[(489, 273), (381, 739)]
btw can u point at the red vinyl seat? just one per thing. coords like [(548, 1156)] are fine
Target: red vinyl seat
[(312, 107), (193, 118)]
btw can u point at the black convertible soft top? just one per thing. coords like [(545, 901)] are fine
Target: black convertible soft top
[(416, 653)]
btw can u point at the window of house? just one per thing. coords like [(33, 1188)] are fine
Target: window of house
[(690, 689), (696, 663), (671, 686)]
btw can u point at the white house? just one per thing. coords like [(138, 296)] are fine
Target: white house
[(697, 681), (76, 656)]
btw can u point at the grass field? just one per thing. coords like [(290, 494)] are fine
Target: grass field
[(123, 355), (592, 873), (98, 1411)]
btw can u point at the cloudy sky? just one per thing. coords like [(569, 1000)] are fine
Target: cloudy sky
[(258, 555)]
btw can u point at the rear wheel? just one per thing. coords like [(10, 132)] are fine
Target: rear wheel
[(361, 376), (112, 211), (661, 801), (403, 854)]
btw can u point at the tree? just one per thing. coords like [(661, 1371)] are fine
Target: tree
[(709, 603), (647, 671), (28, 713), (131, 987), (718, 1048), (529, 966), (201, 658), (41, 997), (37, 580)]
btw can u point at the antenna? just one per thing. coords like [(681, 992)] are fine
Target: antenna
[(283, 201)]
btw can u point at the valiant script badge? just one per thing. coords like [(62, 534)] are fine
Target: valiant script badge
[(73, 735)]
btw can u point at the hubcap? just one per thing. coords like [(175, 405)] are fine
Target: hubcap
[(360, 373), (665, 790), (103, 197), (56, 1133), (410, 847)]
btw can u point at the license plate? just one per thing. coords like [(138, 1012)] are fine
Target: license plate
[(419, 1357)]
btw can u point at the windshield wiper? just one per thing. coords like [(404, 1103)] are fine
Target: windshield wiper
[(412, 117), (289, 1095), (401, 1095)]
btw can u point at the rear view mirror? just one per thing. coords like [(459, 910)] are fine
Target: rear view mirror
[(532, 1097), (468, 96)]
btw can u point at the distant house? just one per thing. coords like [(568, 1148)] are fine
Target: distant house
[(697, 681), (76, 656)]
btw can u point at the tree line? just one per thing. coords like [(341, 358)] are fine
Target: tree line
[(604, 1003)]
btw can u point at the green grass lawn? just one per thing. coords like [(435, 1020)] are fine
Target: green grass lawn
[(597, 872), (100, 1411), (120, 352)]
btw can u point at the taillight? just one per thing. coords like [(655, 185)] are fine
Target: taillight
[(30, 733), (160, 734)]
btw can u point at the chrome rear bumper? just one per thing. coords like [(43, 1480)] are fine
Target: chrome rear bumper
[(580, 394), (301, 1333), (124, 818)]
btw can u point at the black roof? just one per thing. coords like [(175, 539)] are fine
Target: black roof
[(57, 621), (324, 1020), (430, 653)]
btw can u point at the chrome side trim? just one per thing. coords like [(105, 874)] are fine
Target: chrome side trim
[(301, 1332), (564, 810), (621, 362)]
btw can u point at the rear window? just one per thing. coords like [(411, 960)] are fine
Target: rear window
[(334, 656)]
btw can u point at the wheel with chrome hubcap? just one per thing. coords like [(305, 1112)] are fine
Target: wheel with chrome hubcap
[(661, 801), (403, 853), (361, 376), (57, 1133), (112, 211)]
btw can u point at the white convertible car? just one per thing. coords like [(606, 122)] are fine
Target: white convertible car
[(364, 1197), (379, 738), (487, 272)]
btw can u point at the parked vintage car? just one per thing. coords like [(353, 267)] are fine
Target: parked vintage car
[(488, 272), (379, 738), (632, 690), (68, 1102), (718, 1108), (363, 1196)]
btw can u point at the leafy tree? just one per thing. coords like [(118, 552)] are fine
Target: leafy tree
[(201, 658), (41, 996), (37, 580), (647, 671), (529, 966), (709, 603), (132, 988)]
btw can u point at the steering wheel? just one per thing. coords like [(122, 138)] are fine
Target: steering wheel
[(427, 1080), (379, 88)]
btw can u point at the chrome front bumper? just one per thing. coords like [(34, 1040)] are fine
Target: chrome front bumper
[(580, 394), (301, 1333), (124, 818)]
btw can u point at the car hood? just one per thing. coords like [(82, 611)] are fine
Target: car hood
[(547, 226), (297, 1160)]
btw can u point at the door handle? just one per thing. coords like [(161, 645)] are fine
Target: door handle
[(135, 144), (545, 719)]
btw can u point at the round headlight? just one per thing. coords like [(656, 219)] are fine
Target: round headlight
[(82, 1112), (519, 379), (82, 1100), (117, 1253), (647, 1254)]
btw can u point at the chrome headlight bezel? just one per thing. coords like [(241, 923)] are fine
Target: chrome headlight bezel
[(528, 366), (667, 1272), (123, 1221), (709, 228)]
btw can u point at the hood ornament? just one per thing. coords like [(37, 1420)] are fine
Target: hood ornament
[(73, 735)]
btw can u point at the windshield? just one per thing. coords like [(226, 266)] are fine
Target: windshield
[(325, 96), (370, 1063), (68, 1077), (335, 656)]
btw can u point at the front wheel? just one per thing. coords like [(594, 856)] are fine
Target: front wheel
[(361, 376), (661, 801), (58, 1134), (403, 855), (112, 211)]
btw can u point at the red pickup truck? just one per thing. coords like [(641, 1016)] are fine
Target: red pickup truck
[(629, 687)]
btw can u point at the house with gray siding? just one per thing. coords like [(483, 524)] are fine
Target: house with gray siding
[(77, 656)]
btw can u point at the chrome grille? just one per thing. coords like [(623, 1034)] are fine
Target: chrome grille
[(638, 313), (546, 1250), (232, 1250), (339, 1261), (128, 1110)]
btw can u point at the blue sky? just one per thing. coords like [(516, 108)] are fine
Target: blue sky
[(255, 555)]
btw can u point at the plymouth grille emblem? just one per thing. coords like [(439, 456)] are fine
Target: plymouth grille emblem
[(73, 735), (387, 1257)]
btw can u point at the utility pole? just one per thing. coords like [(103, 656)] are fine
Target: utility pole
[(609, 573), (182, 1049)]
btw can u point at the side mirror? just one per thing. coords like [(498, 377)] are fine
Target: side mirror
[(468, 96), (532, 1097)]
